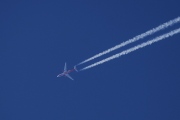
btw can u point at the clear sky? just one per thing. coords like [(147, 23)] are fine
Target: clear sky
[(38, 36)]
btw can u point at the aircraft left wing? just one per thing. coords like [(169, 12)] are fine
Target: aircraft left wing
[(67, 75), (65, 67)]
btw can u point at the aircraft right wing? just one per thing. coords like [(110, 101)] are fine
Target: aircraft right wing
[(67, 75)]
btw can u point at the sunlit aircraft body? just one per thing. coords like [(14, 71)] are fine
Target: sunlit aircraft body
[(66, 72)]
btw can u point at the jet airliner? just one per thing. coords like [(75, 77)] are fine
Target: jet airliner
[(66, 72)]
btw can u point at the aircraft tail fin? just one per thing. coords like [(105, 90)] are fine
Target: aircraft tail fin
[(75, 69)]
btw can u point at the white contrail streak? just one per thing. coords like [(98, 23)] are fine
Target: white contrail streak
[(171, 33), (136, 38)]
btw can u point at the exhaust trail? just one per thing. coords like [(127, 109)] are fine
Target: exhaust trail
[(142, 45), (136, 38)]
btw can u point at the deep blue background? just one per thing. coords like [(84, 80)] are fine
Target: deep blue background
[(38, 36)]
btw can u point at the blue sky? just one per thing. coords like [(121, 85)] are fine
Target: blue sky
[(39, 36)]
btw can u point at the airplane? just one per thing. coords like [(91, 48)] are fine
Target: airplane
[(66, 72)]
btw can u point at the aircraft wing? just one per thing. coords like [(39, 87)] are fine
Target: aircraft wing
[(67, 75), (65, 67)]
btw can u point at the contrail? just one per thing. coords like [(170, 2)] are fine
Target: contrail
[(136, 38), (171, 33)]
